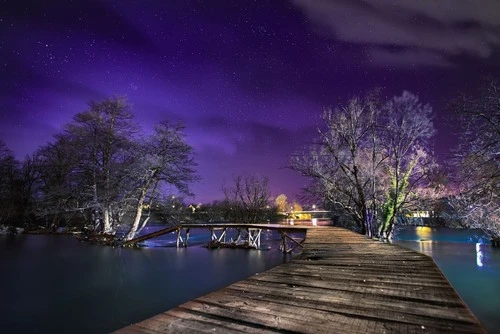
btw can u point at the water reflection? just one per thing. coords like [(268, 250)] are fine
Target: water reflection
[(425, 247), (427, 237), (467, 260), (49, 279), (479, 255), (424, 232)]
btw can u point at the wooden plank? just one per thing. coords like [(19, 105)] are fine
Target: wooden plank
[(343, 298), (342, 282), (436, 298), (150, 235), (354, 272), (368, 309), (370, 279), (270, 316)]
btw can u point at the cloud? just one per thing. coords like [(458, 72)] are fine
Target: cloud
[(431, 29), (407, 58)]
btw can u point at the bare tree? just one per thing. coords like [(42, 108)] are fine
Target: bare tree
[(163, 158), (102, 135), (27, 185), (99, 169), (409, 163), (60, 194), (8, 170), (477, 184), (340, 164), (369, 159), (248, 198)]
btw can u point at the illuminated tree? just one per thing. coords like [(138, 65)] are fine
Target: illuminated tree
[(281, 203), (296, 207), (340, 164), (103, 135), (477, 160), (408, 162), (100, 169), (370, 159), (163, 158)]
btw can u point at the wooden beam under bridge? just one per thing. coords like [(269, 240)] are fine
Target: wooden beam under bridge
[(252, 233), (150, 235), (284, 245)]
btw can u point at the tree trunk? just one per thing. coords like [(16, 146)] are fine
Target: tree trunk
[(107, 228), (135, 225), (369, 219), (137, 219), (363, 226), (388, 234)]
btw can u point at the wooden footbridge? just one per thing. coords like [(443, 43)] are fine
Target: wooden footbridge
[(247, 234), (341, 283)]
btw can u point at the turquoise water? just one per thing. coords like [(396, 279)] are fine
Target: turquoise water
[(469, 263), (56, 284)]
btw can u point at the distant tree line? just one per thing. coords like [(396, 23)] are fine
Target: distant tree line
[(246, 200), (96, 172), (102, 175), (371, 162)]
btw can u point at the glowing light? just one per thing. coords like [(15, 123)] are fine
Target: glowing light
[(421, 214), (479, 255), (424, 232)]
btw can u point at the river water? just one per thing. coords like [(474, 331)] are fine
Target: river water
[(469, 263), (56, 284)]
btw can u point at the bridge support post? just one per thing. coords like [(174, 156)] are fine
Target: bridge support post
[(180, 240), (221, 238), (284, 244), (254, 237)]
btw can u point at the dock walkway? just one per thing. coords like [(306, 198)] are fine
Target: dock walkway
[(342, 282)]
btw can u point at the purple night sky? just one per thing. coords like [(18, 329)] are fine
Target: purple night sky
[(248, 78)]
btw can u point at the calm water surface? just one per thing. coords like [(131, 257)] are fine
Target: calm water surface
[(469, 263), (56, 284)]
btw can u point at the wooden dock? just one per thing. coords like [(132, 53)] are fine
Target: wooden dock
[(341, 283)]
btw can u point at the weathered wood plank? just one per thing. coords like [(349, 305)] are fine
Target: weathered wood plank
[(442, 298), (350, 304), (357, 280), (342, 282), (270, 315)]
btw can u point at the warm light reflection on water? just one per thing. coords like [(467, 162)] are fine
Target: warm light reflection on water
[(425, 244), (424, 232), (425, 247)]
